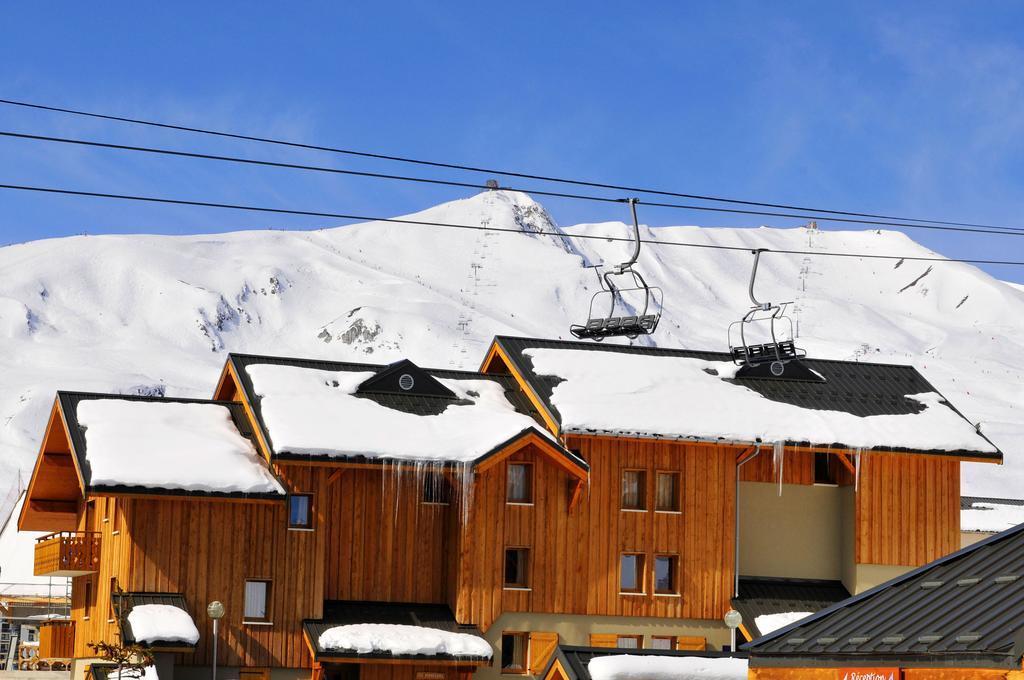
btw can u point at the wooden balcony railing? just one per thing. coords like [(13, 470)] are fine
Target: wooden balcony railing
[(68, 553), (57, 640)]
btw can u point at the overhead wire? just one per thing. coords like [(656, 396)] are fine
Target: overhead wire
[(491, 171), (480, 227), (1008, 231)]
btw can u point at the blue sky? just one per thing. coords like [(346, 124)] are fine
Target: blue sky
[(905, 108)]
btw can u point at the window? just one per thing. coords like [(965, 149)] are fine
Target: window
[(631, 573), (113, 592), (629, 641), (665, 574), (90, 598), (436, 489), (513, 652), (520, 483), (115, 527), (256, 598), (824, 468), (106, 509), (517, 563), (634, 490), (300, 511), (663, 642), (667, 492)]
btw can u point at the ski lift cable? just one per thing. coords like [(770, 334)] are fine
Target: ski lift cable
[(491, 185), (477, 227), (490, 171)]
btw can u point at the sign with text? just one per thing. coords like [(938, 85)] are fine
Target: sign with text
[(868, 674)]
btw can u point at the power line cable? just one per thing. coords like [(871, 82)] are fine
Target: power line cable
[(1009, 231), (491, 171), (474, 227)]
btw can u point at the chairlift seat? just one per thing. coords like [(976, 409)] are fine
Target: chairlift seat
[(764, 353), (615, 326)]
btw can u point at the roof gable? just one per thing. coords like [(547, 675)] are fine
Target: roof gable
[(406, 378)]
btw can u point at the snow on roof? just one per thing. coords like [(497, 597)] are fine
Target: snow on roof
[(766, 623), (17, 561), (402, 640), (316, 412), (647, 667), (692, 398), (152, 623), (170, 445), (991, 516)]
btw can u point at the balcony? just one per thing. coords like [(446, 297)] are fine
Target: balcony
[(57, 640), (68, 553)]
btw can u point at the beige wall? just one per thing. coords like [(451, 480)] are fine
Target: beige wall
[(971, 537), (795, 535), (576, 630)]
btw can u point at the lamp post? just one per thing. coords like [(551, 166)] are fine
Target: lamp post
[(216, 612), (732, 619)]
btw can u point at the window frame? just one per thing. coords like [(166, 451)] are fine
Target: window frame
[(673, 641), (677, 489), (256, 620), (445, 486), (639, 639), (642, 493), (832, 469), (674, 574), (528, 466), (640, 573), (308, 526), (524, 638), (524, 569)]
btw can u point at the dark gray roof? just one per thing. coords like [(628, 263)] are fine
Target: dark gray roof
[(425, 404), (961, 610), (351, 612), (69, 406), (859, 388), (126, 601), (760, 596), (966, 502), (575, 660)]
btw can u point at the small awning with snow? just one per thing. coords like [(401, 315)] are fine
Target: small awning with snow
[(364, 632), (159, 621), (771, 603), (609, 663)]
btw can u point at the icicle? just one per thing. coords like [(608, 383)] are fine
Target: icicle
[(778, 461), (856, 469)]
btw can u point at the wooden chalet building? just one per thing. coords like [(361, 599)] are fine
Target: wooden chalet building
[(373, 521)]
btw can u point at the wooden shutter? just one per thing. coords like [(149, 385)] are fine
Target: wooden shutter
[(542, 646), (692, 644), (603, 640)]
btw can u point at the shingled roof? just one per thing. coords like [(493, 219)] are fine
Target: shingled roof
[(818, 389), (962, 610)]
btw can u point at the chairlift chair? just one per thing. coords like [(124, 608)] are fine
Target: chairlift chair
[(628, 309), (781, 349)]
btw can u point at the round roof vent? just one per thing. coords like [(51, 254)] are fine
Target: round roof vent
[(406, 382)]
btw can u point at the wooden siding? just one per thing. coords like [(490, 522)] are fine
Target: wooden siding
[(574, 555), (907, 509), (797, 468), (383, 544)]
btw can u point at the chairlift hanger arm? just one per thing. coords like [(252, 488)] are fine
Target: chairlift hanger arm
[(618, 269), (763, 306)]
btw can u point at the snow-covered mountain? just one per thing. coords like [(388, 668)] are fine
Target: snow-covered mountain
[(155, 314)]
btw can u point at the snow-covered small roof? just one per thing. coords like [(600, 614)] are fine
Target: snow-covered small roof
[(178, 445), (402, 640), (394, 629), (154, 624), (650, 667), (363, 411), (990, 515), (642, 392)]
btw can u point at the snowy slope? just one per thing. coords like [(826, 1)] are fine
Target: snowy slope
[(155, 314)]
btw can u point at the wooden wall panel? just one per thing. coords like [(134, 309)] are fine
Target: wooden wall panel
[(574, 555), (907, 509)]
